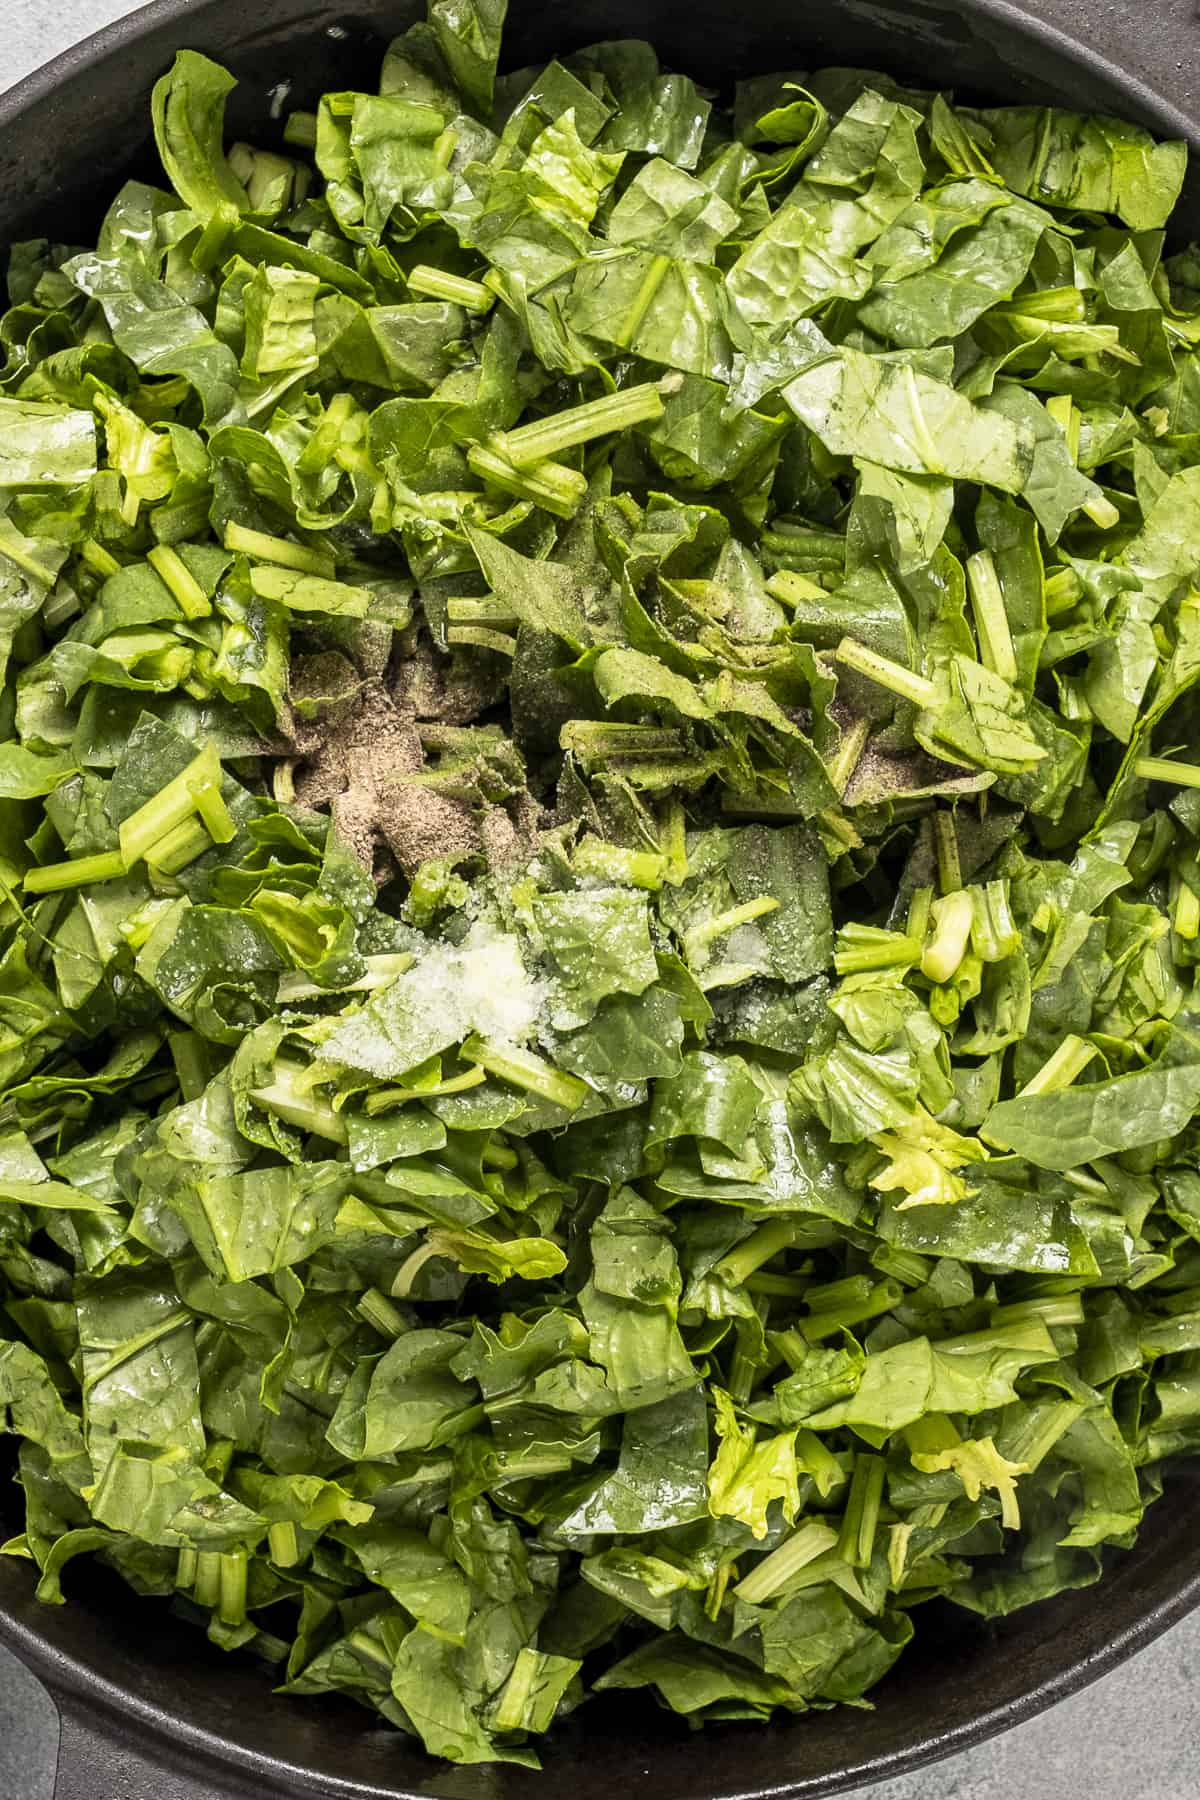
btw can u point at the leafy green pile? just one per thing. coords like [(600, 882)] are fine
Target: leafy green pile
[(600, 902)]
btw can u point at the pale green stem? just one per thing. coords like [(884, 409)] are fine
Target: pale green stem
[(1060, 1070), (440, 285), (581, 424), (885, 673)]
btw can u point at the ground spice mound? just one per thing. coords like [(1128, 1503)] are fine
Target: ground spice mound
[(356, 770)]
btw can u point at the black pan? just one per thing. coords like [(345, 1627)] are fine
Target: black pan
[(150, 1711)]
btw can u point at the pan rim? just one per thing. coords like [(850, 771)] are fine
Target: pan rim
[(76, 1684)]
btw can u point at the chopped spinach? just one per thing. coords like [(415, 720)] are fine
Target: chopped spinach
[(599, 1054)]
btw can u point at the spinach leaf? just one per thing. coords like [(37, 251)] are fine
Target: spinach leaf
[(894, 415)]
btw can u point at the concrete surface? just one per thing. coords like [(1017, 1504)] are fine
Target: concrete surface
[(1131, 1737)]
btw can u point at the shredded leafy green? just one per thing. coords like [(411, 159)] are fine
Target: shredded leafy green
[(599, 1063)]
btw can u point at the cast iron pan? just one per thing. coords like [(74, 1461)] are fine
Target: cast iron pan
[(149, 1710)]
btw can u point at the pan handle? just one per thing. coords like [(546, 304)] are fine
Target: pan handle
[(98, 1760)]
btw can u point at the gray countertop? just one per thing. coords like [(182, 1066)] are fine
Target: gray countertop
[(1133, 1735)]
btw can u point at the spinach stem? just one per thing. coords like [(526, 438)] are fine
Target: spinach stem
[(905, 683), (810, 1540), (991, 620), (1065, 1066), (580, 424), (439, 284)]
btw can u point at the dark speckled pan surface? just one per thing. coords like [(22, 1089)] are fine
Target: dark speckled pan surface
[(150, 1710)]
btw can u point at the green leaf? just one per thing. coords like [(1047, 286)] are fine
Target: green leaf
[(599, 940), (968, 1375), (983, 264), (161, 333), (804, 257), (1053, 486), (748, 1473), (26, 776), (1104, 1118), (666, 210), (44, 445), (545, 595), (1001, 1225), (280, 309), (408, 1400), (660, 1478), (892, 414), (189, 121), (658, 114), (1088, 164), (468, 36), (664, 309)]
